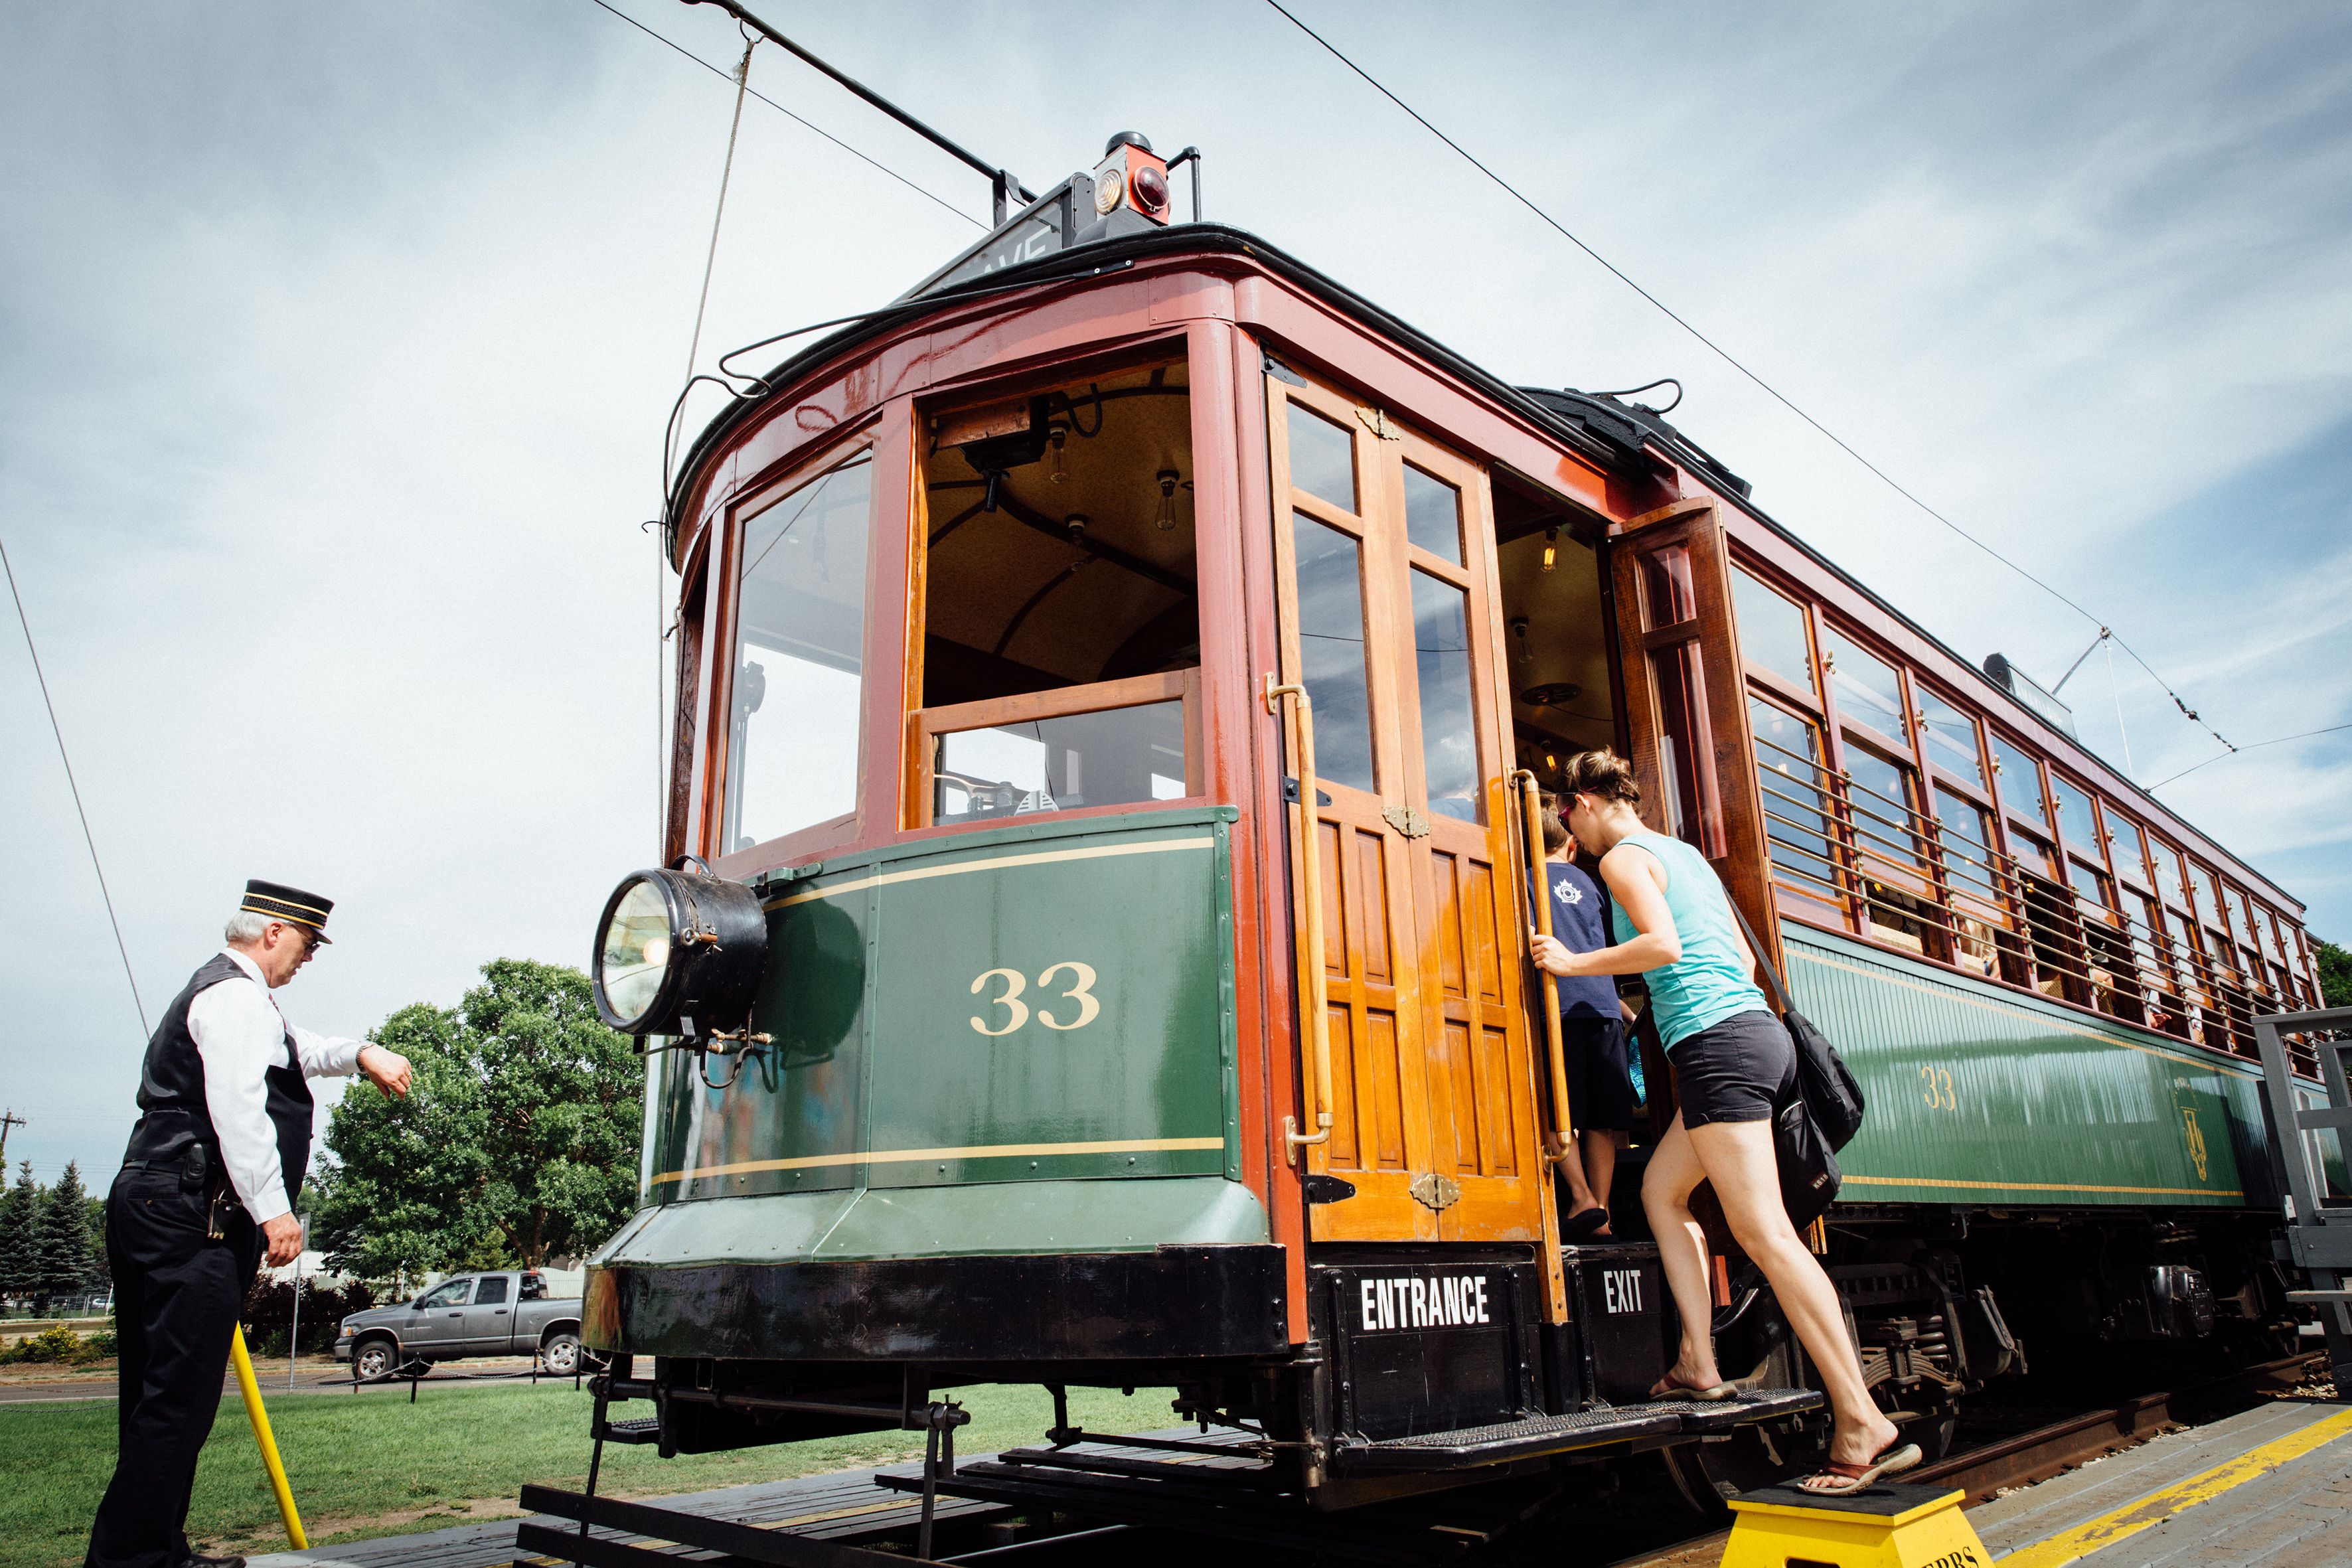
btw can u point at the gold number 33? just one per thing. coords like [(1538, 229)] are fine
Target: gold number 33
[(1016, 1011)]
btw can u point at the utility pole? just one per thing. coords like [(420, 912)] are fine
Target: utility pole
[(10, 1119)]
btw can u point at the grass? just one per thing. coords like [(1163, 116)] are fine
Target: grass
[(374, 1463)]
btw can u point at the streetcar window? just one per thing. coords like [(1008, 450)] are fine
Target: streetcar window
[(2124, 840), (1796, 799), (1117, 756), (2169, 880), (1060, 620), (1966, 835), (1867, 690), (1884, 820), (1331, 650), (2020, 780), (1433, 515), (1322, 458), (1772, 631), (1952, 737), (800, 632), (2075, 823), (1449, 730)]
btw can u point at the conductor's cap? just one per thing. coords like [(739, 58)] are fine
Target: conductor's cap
[(276, 902)]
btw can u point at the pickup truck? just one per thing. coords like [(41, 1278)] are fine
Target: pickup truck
[(506, 1313)]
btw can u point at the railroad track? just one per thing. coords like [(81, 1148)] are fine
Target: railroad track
[(1986, 1471)]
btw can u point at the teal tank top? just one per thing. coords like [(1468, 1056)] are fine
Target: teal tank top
[(1710, 984)]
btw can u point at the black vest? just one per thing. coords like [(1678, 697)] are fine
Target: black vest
[(172, 1091)]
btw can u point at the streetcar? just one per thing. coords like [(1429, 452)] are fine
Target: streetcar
[(1114, 684)]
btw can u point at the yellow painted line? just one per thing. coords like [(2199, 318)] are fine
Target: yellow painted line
[(1953, 993), (2158, 1507), (1001, 862), (970, 1151), (2039, 1187)]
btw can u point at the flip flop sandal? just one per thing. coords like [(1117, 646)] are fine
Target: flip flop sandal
[(1584, 1223), (1850, 1477), (1672, 1387)]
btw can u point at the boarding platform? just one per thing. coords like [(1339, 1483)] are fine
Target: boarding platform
[(2270, 1486)]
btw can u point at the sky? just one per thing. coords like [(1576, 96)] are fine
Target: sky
[(336, 343)]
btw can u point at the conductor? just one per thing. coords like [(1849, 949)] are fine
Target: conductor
[(205, 1193)]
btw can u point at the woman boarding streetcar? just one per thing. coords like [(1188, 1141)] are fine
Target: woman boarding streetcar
[(1733, 1065)]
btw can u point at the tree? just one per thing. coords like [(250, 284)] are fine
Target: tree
[(61, 1250), (515, 1144), (2335, 972), (20, 1208)]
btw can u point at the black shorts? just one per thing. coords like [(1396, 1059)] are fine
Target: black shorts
[(1740, 1070), (1600, 1085)]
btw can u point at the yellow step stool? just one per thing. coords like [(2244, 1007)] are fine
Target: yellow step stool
[(1884, 1526)]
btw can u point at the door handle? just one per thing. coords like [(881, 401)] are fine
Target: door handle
[(499, 1313), (1310, 850)]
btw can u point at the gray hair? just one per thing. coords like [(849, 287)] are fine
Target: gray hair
[(246, 926)]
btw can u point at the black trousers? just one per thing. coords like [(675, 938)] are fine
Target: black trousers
[(176, 1298)]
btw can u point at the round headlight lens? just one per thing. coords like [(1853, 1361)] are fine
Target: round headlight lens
[(679, 953), (634, 956)]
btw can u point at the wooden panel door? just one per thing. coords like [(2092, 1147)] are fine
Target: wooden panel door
[(1687, 698), (1389, 612)]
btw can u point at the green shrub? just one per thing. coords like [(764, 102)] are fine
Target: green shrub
[(58, 1344)]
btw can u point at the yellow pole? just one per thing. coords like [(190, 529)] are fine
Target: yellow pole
[(251, 1388)]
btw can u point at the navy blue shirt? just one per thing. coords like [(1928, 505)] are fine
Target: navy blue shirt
[(1581, 921)]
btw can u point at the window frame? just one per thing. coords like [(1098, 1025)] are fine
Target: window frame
[(719, 712), (2127, 944), (926, 725)]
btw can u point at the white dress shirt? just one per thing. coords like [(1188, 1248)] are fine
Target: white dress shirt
[(240, 1034)]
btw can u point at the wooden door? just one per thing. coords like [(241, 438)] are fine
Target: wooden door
[(1687, 698), (1389, 610)]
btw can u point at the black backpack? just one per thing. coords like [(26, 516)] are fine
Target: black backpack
[(1825, 1082)]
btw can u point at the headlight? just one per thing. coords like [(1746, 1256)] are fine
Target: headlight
[(679, 953)]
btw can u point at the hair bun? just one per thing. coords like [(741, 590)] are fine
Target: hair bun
[(1603, 773)]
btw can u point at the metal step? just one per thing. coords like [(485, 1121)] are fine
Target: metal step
[(1538, 1436), (635, 1429)]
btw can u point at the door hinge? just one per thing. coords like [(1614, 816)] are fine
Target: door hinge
[(1435, 1192), (1375, 420), (1407, 821), (1290, 792), (1323, 1189)]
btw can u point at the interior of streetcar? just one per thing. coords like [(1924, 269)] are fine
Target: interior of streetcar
[(1060, 635)]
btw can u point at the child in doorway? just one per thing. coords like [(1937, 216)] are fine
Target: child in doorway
[(1592, 1025)]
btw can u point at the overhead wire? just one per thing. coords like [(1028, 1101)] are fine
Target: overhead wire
[(722, 73), (88, 837), (2250, 746), (1733, 361)]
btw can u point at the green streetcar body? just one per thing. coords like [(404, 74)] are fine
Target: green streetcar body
[(1034, 1097)]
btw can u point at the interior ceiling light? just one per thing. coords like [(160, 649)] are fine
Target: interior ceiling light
[(1164, 516), (1552, 548), (679, 953)]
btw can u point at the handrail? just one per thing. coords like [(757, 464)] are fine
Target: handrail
[(1531, 809), (1310, 849)]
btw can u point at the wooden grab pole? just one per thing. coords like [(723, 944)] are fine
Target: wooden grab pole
[(250, 1387), (1531, 818)]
